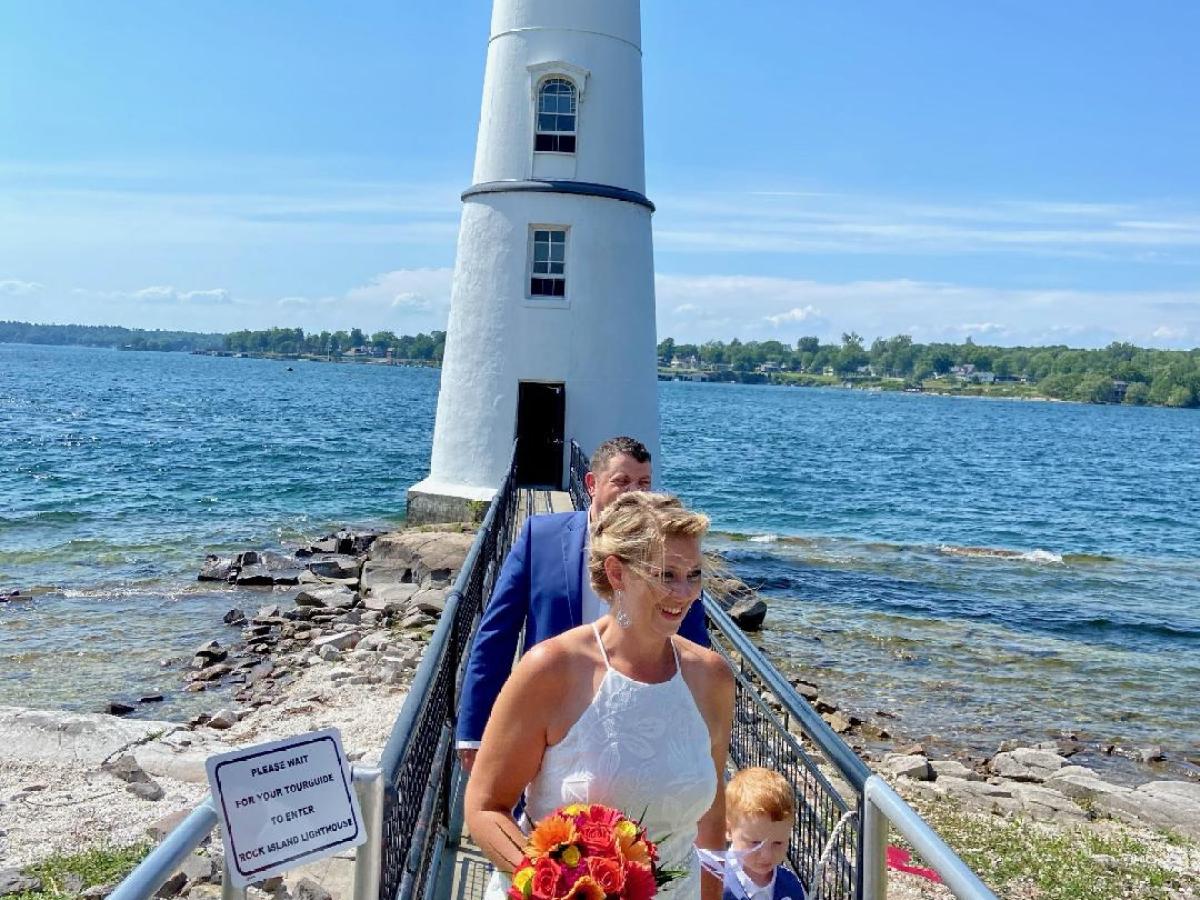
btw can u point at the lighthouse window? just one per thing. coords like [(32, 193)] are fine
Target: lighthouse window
[(548, 273), (556, 117)]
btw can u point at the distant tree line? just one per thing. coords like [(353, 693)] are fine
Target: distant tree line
[(1132, 374), (106, 336), (294, 342)]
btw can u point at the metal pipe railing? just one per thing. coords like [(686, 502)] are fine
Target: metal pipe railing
[(165, 860)]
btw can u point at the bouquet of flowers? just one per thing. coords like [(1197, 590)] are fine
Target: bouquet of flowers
[(588, 852)]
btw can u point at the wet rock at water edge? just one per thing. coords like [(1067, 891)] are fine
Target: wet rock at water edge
[(216, 568), (222, 719), (234, 617), (118, 708)]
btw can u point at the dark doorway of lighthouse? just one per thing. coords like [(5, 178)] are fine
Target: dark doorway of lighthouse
[(541, 412)]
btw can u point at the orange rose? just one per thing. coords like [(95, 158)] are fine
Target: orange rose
[(548, 882), (639, 882), (637, 852), (586, 888), (608, 873)]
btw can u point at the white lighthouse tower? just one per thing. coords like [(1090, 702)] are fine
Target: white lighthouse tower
[(552, 332)]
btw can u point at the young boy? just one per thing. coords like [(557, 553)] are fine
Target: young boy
[(760, 811)]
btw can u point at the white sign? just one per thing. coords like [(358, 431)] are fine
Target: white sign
[(284, 803)]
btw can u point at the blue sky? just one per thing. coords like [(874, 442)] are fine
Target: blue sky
[(1018, 171)]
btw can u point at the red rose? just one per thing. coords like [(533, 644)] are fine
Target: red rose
[(604, 815), (598, 839), (548, 882), (608, 873), (639, 882)]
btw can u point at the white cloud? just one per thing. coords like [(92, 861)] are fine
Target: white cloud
[(748, 307), (15, 288), (169, 294), (795, 314)]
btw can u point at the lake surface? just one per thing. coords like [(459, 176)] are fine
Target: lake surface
[(982, 569)]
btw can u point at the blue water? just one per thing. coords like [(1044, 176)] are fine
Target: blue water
[(982, 569)]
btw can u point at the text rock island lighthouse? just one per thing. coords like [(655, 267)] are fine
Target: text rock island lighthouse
[(551, 333)]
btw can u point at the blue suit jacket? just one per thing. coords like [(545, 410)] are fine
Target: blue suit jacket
[(540, 589), (787, 885)]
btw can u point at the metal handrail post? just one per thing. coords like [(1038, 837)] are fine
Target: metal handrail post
[(167, 857), (872, 853), (890, 807), (368, 860)]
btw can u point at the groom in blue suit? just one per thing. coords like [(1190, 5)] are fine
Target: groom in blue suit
[(544, 588)]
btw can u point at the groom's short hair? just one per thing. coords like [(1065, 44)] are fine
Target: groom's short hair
[(759, 792), (618, 446)]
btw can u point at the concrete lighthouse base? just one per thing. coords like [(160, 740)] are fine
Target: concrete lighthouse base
[(431, 501)]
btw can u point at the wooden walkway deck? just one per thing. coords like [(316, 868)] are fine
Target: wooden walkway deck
[(469, 868)]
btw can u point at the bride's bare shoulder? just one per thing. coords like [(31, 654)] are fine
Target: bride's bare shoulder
[(561, 655)]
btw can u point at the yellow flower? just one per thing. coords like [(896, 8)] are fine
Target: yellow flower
[(570, 856), (626, 831), (523, 881), (574, 809)]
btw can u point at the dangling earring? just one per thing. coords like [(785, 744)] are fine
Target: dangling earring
[(622, 615)]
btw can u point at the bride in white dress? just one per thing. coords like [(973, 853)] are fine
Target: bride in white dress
[(624, 712)]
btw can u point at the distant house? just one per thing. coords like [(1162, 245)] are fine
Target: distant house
[(358, 351), (769, 367), (963, 371), (685, 362), (982, 377), (1119, 389)]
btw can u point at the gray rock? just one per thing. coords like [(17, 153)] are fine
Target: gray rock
[(126, 768), (432, 557), (85, 739), (14, 881), (212, 673), (171, 887), (234, 617), (430, 600), (1165, 804), (952, 768), (327, 597), (329, 654), (198, 868), (1026, 764), (838, 721), (805, 689), (376, 641), (215, 568), (118, 708), (1043, 804), (915, 767), (307, 889), (166, 825), (377, 574), (271, 611), (347, 567), (980, 795), (97, 891), (749, 613), (223, 718), (211, 651), (342, 640), (146, 790)]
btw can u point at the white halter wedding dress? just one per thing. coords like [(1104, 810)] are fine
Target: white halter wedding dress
[(643, 749)]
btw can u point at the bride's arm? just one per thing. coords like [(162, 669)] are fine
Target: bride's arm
[(510, 753), (718, 713)]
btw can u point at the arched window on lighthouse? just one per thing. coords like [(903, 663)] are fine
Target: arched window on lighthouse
[(556, 105)]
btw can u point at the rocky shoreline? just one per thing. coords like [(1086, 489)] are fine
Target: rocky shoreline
[(336, 645)]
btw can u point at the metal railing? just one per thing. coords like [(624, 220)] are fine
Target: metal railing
[(420, 785)]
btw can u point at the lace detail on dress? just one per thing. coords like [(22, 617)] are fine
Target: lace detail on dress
[(643, 749)]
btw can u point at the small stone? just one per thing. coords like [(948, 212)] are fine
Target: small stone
[(166, 825), (271, 885), (307, 889), (147, 790), (914, 766), (223, 718), (171, 887), (126, 768), (234, 617)]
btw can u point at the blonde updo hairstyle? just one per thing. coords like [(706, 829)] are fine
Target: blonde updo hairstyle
[(635, 528)]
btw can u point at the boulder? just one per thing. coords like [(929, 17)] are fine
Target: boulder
[(211, 651), (31, 735), (749, 613), (375, 641), (1043, 804), (215, 568), (222, 719), (335, 567), (171, 887), (429, 600), (166, 825), (805, 689), (1026, 764), (234, 617), (307, 889), (952, 768), (838, 721), (391, 597), (212, 673), (432, 557), (342, 640), (267, 569), (378, 574), (199, 869), (980, 795), (327, 597), (1166, 804), (915, 767), (118, 708)]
